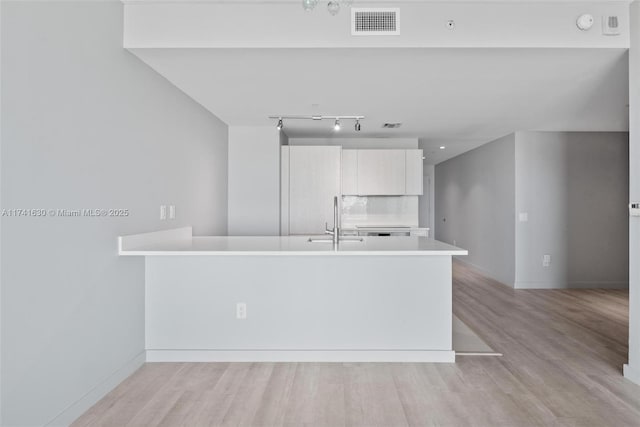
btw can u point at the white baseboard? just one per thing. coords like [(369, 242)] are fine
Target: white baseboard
[(572, 285), (72, 412), (550, 285), (301, 356), (632, 374), (483, 271), (599, 285)]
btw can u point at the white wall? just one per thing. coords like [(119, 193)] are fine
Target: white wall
[(574, 188), (87, 125), (254, 181), (632, 370), (474, 206)]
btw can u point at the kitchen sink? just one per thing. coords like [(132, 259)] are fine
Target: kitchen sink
[(342, 239)]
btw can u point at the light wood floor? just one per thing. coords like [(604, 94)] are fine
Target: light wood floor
[(563, 354)]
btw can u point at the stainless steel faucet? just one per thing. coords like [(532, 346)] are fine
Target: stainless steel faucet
[(335, 232), (336, 223)]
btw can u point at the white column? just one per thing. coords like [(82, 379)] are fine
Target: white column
[(254, 181), (632, 369)]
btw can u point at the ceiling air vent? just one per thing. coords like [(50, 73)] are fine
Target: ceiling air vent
[(375, 21), (391, 125)]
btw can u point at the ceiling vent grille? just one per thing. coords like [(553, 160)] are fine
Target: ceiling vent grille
[(375, 21), (391, 125)]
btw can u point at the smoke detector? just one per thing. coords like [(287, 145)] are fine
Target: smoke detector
[(585, 22)]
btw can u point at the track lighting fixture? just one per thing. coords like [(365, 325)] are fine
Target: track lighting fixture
[(333, 6), (337, 120), (309, 4)]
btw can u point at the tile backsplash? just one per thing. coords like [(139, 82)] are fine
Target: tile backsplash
[(379, 211)]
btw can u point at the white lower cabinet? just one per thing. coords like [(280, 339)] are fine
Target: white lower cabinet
[(314, 180), (419, 232)]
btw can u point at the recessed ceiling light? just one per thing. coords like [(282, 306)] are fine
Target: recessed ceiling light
[(442, 147)]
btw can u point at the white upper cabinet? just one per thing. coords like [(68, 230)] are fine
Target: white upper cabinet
[(349, 172), (387, 172), (381, 172), (413, 173), (314, 180)]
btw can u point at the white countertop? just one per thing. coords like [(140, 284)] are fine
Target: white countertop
[(179, 242)]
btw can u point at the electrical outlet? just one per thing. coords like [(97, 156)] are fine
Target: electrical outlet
[(172, 211), (241, 310), (163, 212), (546, 260)]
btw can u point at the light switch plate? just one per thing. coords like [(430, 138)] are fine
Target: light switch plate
[(241, 311), (163, 212), (172, 211), (634, 208), (523, 217)]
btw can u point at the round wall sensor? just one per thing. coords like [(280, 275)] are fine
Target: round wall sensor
[(451, 24), (585, 22)]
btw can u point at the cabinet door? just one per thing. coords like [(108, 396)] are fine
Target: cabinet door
[(413, 173), (314, 180), (381, 172), (350, 172), (420, 232)]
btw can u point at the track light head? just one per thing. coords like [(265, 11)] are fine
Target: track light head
[(309, 4), (337, 125)]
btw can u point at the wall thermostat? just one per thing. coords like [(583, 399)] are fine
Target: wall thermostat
[(585, 22), (634, 209), (610, 26)]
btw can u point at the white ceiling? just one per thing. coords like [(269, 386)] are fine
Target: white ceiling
[(365, 2), (459, 98)]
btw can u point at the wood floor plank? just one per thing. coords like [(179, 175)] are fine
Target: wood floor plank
[(563, 353)]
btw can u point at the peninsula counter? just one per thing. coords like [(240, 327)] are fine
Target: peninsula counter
[(385, 299)]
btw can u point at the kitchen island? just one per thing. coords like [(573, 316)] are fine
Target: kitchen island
[(382, 299)]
